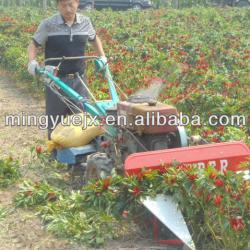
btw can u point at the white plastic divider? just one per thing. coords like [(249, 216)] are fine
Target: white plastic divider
[(166, 210)]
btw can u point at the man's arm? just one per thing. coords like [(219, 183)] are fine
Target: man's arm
[(32, 51), (39, 40), (97, 44)]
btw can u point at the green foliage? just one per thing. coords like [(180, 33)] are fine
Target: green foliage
[(67, 215), (3, 213), (35, 194), (200, 54), (87, 225), (215, 205), (9, 172), (28, 3)]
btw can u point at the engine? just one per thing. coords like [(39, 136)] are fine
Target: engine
[(143, 125), (147, 125)]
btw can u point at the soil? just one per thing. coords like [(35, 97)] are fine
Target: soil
[(22, 228)]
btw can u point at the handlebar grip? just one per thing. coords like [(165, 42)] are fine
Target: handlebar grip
[(100, 65)]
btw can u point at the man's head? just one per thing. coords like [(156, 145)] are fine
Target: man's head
[(68, 8)]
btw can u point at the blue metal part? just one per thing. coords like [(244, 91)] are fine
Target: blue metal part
[(69, 155), (105, 104), (94, 109), (70, 92), (111, 84), (101, 66), (97, 109)]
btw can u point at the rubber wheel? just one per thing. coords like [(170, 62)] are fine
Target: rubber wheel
[(242, 3), (99, 166), (88, 7), (137, 7), (178, 139)]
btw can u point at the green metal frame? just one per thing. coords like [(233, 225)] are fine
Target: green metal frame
[(97, 109)]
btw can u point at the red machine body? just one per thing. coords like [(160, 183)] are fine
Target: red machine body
[(223, 156)]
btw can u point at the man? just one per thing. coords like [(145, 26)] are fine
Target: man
[(64, 34)]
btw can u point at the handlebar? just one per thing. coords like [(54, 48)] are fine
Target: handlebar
[(64, 58), (101, 66)]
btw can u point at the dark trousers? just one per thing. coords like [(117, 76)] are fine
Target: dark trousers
[(56, 108)]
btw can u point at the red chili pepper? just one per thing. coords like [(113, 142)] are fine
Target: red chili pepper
[(219, 183), (136, 191), (237, 224), (217, 200), (106, 183), (39, 149), (212, 176), (192, 177)]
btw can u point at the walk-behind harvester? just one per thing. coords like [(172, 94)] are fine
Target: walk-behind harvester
[(129, 147)]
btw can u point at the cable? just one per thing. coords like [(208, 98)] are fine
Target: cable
[(140, 144)]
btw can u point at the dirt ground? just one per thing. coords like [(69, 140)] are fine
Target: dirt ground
[(22, 229)]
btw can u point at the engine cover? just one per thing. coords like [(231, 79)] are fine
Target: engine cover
[(147, 117)]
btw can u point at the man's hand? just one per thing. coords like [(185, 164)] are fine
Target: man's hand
[(103, 60), (51, 69), (32, 67)]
